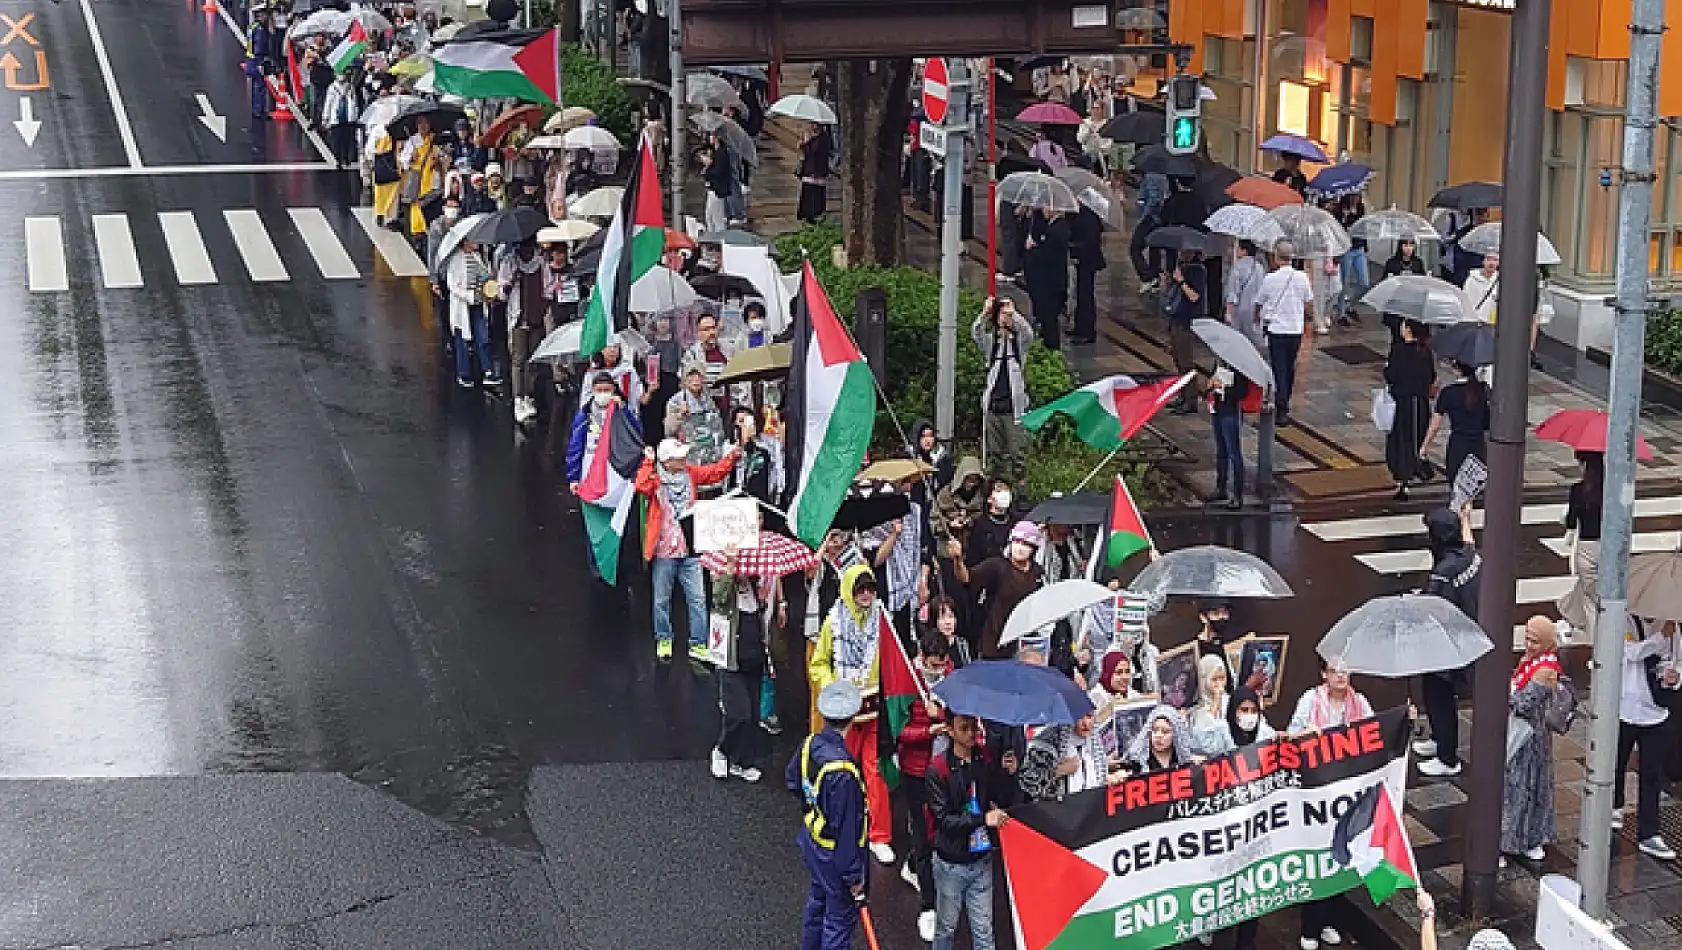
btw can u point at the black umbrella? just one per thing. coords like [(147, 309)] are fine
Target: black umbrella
[(1472, 194), (431, 204), (1155, 158), (588, 256), (863, 512), (1140, 128), (719, 286), (1471, 342), (1178, 237), (509, 227), (1213, 179), (1087, 507), (440, 115), (1042, 62)]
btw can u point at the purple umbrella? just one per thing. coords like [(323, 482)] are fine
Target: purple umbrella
[(1295, 145), (1340, 180)]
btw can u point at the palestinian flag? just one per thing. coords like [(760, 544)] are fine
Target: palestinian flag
[(352, 46), (1125, 533), (505, 64), (829, 406), (901, 686), (635, 242), (606, 491), (1110, 411), (1369, 837)]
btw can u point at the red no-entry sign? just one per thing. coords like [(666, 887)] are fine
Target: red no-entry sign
[(935, 92)]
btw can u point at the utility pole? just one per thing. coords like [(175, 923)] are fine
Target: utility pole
[(679, 110), (951, 246), (1623, 410), (1521, 220)]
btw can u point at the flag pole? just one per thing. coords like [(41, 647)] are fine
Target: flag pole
[(1092, 474)]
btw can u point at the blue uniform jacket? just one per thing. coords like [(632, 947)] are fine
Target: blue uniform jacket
[(841, 799), (581, 437)]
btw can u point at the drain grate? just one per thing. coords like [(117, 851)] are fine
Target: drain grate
[(1354, 354)]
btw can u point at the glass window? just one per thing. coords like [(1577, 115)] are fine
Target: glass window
[(1596, 232), (1297, 74)]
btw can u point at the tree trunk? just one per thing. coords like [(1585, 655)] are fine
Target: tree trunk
[(569, 16), (874, 109)]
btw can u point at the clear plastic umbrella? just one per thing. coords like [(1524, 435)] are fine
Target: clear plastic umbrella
[(1486, 239), (1405, 635), (1426, 299), (386, 108), (454, 236), (1093, 194), (800, 106), (735, 137), (1050, 604), (1235, 220), (592, 137), (1312, 232), (600, 203), (659, 290), (1037, 190), (1394, 224), (1210, 571), (705, 89), (565, 342), (1234, 349)]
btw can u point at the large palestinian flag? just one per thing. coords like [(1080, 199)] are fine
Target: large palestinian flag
[(504, 64), (1371, 839), (1164, 857), (606, 491), (635, 241), (830, 409), (1110, 411)]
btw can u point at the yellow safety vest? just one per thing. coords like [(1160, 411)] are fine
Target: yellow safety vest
[(816, 825)]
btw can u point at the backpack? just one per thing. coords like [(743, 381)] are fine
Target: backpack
[(1562, 709)]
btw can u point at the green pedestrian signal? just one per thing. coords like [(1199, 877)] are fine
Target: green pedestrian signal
[(1184, 137), (1185, 113)]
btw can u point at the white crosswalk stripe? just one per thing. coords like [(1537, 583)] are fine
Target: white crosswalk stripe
[(126, 260)]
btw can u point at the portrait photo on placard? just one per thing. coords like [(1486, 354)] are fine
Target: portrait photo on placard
[(1262, 664), (1176, 674), (1127, 720)]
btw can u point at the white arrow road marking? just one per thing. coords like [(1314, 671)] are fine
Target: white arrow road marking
[(218, 125), (27, 125)]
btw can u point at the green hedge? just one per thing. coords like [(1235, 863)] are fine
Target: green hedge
[(1664, 342), (589, 82)]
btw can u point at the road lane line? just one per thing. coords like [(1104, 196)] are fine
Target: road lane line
[(124, 130), (329, 254), (186, 248), (158, 171), (44, 241), (261, 259), (119, 263), (1397, 562), (398, 255)]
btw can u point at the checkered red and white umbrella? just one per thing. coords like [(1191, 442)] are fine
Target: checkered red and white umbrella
[(776, 556)]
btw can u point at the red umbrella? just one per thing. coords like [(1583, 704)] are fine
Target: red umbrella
[(679, 241), (1049, 113), (531, 114), (1264, 193), (1585, 431), (776, 556)]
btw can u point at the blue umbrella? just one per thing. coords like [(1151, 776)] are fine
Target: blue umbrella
[(1295, 145), (1014, 693), (1340, 180)]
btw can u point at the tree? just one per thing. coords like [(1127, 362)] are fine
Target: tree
[(875, 109)]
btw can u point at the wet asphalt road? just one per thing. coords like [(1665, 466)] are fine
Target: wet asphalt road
[(254, 528)]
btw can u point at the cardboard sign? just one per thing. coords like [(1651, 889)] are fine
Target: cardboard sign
[(1469, 482), (726, 524)]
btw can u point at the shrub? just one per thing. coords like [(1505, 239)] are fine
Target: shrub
[(589, 82), (1664, 342)]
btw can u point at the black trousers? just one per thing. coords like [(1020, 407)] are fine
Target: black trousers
[(1086, 302), (1316, 916), (1048, 300), (1443, 714), (922, 838), (738, 694), (1649, 774)]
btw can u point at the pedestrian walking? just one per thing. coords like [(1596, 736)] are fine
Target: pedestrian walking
[(828, 782), (586, 432), (849, 649), (435, 232), (1483, 288), (968, 792), (1086, 247), (1527, 795), (1243, 286), (814, 174), (916, 743), (1045, 271), (339, 112), (1332, 703), (1456, 574), (741, 607), (671, 486), (1003, 336), (1410, 374), (1353, 266), (1228, 391), (1465, 405), (1641, 724), (465, 280), (1283, 305), (1580, 606), (526, 285), (1183, 300)]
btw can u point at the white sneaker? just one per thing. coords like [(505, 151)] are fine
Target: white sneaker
[(1330, 937), (1436, 769), (1617, 821), (1425, 748), (1656, 847), (883, 853), (909, 876), (1207, 939), (925, 926), (749, 774), (1308, 943), (720, 765), (1535, 854)]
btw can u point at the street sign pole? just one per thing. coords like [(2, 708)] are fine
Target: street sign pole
[(951, 247), (679, 112)]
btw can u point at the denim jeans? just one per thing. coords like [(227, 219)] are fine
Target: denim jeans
[(686, 571), (1352, 269), (961, 887), (1229, 455), (480, 345)]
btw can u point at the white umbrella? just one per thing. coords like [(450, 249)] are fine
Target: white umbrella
[(564, 342), (1050, 604), (1312, 232), (382, 110), (1234, 220), (453, 238), (545, 142), (1405, 635), (569, 229), (661, 289), (592, 137), (372, 20), (705, 89), (805, 107), (600, 203), (1486, 239), (1210, 571), (1425, 299), (322, 22), (1394, 224)]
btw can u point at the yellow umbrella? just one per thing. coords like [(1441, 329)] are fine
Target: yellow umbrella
[(412, 67), (894, 470), (758, 364), (569, 118)]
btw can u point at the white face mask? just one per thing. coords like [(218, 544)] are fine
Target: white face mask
[(602, 399), (1249, 721), (1001, 500), (450, 214), (756, 325)]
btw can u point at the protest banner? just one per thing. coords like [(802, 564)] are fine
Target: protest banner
[(1169, 855)]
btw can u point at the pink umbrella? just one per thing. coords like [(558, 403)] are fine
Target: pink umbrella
[(1049, 113)]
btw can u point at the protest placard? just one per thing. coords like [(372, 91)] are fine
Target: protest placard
[(726, 524)]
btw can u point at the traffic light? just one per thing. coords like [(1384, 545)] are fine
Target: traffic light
[(1185, 115)]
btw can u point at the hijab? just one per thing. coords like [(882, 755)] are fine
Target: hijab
[(1239, 696), (1139, 750)]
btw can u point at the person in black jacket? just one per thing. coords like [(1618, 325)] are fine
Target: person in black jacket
[(1046, 272), (1086, 246), (1410, 374), (1456, 575), (968, 792)]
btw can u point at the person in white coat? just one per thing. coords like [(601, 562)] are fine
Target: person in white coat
[(465, 279)]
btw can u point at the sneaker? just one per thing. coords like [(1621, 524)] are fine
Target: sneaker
[(663, 649), (909, 876), (882, 852), (1436, 769), (1425, 748), (1330, 937), (1618, 820), (492, 379), (1535, 854), (772, 725), (1308, 943), (699, 653), (1656, 847), (720, 765), (749, 774), (925, 926), (464, 383)]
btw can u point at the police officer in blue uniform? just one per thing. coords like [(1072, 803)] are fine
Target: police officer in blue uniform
[(832, 843), (259, 60)]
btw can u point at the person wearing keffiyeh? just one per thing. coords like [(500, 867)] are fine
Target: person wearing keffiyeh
[(847, 649), (1332, 703)]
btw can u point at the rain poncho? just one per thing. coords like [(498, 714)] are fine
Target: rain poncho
[(849, 637)]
